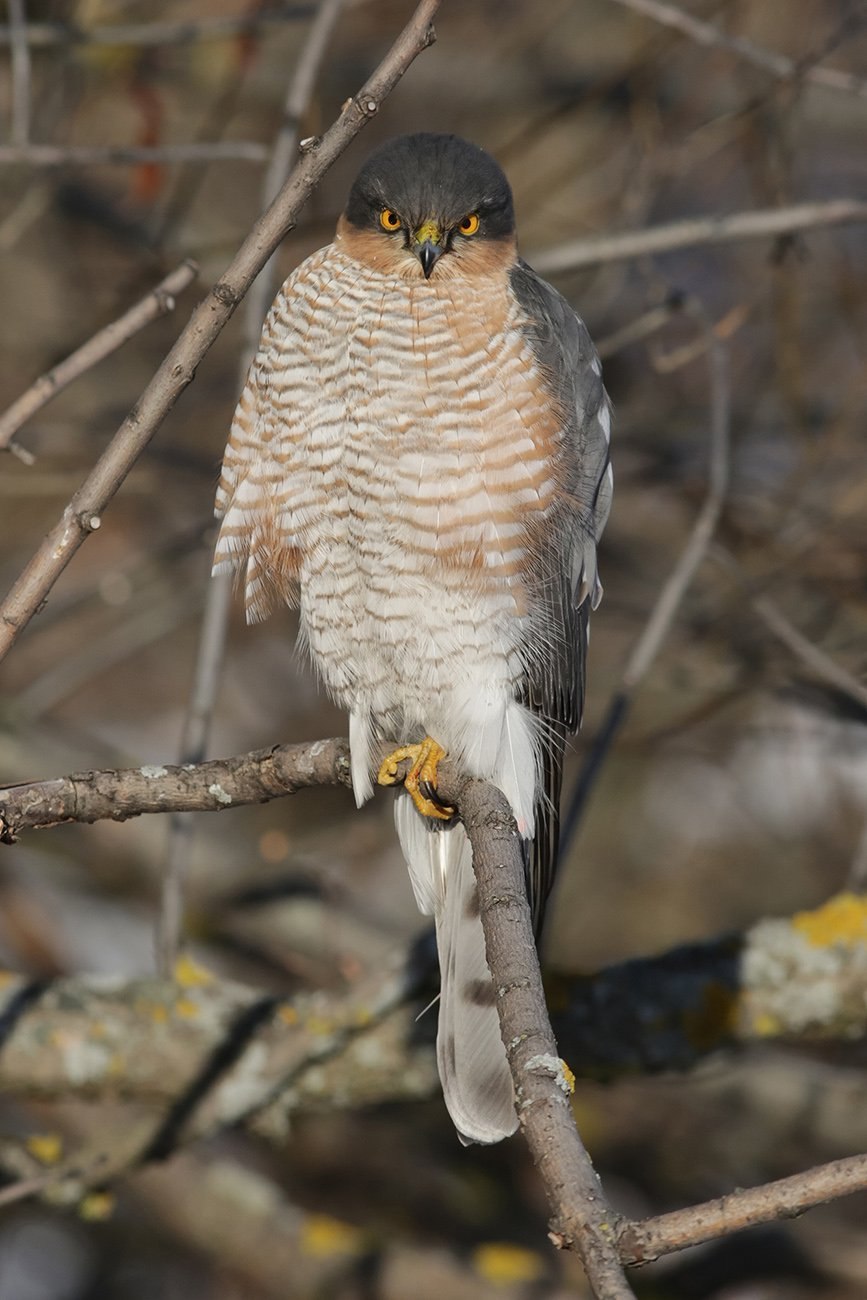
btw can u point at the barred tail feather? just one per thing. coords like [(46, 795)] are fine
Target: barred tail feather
[(474, 1071)]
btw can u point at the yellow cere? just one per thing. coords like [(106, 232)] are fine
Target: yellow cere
[(428, 231), (470, 224), (500, 1262), (842, 921), (389, 220)]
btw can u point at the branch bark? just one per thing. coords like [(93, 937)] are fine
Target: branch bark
[(583, 1220)]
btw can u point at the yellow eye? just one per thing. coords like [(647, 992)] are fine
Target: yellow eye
[(470, 224), (389, 220)]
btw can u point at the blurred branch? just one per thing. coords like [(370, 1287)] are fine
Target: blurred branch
[(158, 302), (20, 132), (215, 1054), (40, 35), (82, 515), (215, 621), (86, 155), (779, 65), (765, 223), (677, 584), (813, 657), (801, 978)]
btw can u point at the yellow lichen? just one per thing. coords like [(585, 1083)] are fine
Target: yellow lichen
[(764, 1025), (504, 1264), (47, 1148), (288, 1014), (714, 1017), (322, 1235), (568, 1076), (190, 975), (7, 977), (116, 1068), (842, 921), (186, 1008), (96, 1207), (154, 1011), (319, 1025)]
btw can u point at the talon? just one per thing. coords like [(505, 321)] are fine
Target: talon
[(425, 759)]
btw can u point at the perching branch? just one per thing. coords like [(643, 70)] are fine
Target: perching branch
[(82, 515)]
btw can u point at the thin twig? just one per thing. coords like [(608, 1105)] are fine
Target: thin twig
[(86, 155), (185, 33), (817, 660), (783, 1199), (766, 223), (778, 65), (82, 515), (677, 584), (20, 133), (206, 675), (155, 304)]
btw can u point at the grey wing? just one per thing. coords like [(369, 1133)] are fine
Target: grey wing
[(566, 573)]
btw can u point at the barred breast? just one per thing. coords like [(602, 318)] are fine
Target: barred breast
[(389, 468)]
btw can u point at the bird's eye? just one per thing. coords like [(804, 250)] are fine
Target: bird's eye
[(389, 220), (470, 224)]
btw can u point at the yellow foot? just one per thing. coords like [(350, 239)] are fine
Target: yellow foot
[(424, 758)]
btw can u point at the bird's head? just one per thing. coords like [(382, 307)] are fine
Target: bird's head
[(430, 205)]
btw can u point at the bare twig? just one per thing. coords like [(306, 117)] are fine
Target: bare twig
[(155, 304), (86, 155), (806, 651), (783, 1199), (677, 584), (762, 224), (82, 515), (779, 65), (212, 642), (40, 35), (20, 133)]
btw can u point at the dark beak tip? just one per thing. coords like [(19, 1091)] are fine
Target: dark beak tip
[(428, 255)]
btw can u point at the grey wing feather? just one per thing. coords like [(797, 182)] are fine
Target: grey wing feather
[(568, 584)]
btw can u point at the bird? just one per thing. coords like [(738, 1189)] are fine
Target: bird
[(419, 463)]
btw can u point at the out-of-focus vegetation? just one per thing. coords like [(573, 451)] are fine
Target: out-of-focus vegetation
[(736, 789)]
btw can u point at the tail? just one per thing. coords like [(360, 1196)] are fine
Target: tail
[(473, 1068)]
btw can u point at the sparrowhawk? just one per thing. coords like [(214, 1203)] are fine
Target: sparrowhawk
[(419, 463)]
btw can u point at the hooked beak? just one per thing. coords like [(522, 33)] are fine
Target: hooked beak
[(428, 246)]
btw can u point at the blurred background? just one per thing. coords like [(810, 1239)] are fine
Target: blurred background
[(737, 787)]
